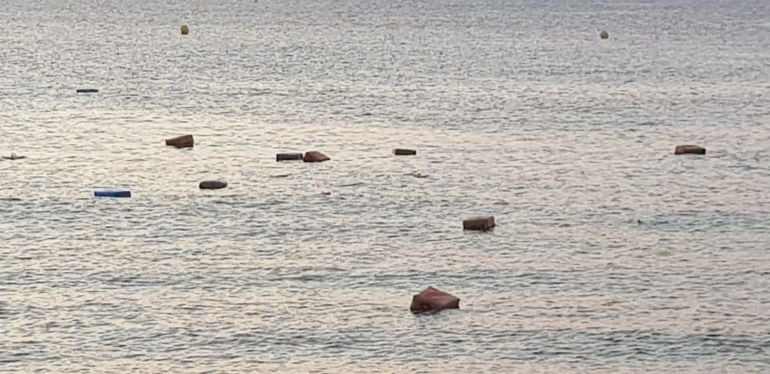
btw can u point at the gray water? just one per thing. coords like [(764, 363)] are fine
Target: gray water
[(611, 254)]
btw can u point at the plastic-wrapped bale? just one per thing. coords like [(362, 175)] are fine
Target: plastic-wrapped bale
[(315, 156), (184, 141), (484, 223), (689, 149), (433, 300)]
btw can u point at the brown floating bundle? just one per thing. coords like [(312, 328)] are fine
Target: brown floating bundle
[(184, 141), (433, 300), (315, 156), (483, 223), (689, 149)]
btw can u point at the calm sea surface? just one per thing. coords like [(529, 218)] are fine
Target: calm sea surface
[(611, 254)]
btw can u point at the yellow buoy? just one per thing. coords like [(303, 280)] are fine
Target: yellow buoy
[(604, 35), (185, 30)]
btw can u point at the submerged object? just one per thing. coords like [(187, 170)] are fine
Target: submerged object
[(483, 223), (289, 157), (315, 156), (184, 141), (86, 90), (14, 156), (417, 175), (185, 30), (433, 300), (112, 193), (689, 149), (212, 185), (404, 152)]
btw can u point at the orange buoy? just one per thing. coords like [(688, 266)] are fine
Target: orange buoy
[(433, 300), (483, 223)]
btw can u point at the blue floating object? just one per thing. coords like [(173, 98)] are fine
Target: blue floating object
[(122, 193), (87, 90)]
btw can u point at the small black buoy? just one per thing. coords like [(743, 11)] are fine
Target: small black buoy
[(604, 35)]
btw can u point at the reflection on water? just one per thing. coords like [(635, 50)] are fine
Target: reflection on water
[(610, 254)]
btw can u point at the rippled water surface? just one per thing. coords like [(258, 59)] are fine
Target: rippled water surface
[(611, 254)]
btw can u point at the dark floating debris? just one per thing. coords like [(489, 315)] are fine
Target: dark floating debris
[(184, 141), (289, 157), (212, 185), (433, 300), (87, 90), (484, 223), (604, 35), (404, 152), (14, 156), (185, 30), (354, 184), (689, 149), (417, 175), (315, 156)]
